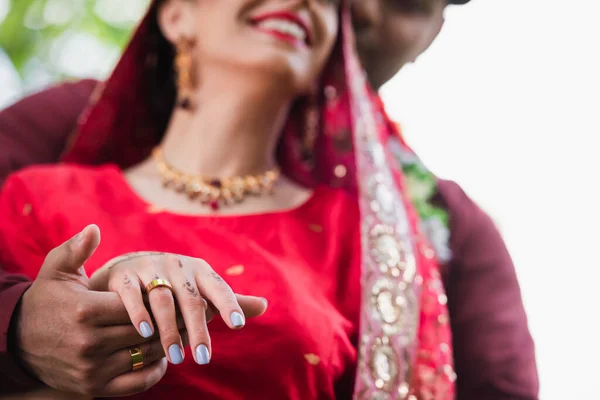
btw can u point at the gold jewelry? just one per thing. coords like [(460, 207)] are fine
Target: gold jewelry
[(213, 191), (184, 64), (137, 358), (156, 283)]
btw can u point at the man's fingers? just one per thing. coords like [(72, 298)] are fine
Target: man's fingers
[(136, 381), (110, 310), (252, 306), (107, 309), (120, 362), (69, 257), (122, 336)]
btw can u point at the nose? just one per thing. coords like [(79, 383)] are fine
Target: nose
[(366, 13)]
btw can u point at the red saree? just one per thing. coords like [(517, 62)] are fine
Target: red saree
[(393, 302)]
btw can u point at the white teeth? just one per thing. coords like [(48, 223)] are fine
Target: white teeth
[(284, 26)]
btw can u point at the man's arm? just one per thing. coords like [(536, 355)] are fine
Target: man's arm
[(12, 377), (32, 131), (494, 351), (36, 129)]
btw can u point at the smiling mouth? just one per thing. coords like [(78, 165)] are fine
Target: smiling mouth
[(284, 26)]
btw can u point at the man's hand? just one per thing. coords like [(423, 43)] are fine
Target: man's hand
[(77, 340)]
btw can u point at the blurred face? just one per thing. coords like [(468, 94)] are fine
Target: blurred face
[(392, 33), (284, 41)]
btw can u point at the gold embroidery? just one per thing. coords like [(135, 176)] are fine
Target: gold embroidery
[(340, 171), (312, 359), (442, 299), (449, 371), (428, 253), (315, 228), (27, 208), (393, 256), (236, 270), (384, 364)]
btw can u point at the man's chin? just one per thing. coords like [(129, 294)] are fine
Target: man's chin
[(376, 77)]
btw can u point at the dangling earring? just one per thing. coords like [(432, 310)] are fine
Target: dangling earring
[(311, 126), (183, 68)]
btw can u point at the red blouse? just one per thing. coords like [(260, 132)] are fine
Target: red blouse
[(305, 262)]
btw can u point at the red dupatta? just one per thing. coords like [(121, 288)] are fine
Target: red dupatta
[(405, 339)]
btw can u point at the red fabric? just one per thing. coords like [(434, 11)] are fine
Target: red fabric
[(117, 127), (306, 262)]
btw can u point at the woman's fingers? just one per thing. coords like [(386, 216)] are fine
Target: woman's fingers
[(127, 285), (215, 289), (126, 335), (162, 304), (193, 307), (190, 280)]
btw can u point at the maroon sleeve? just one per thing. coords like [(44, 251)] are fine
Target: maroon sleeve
[(12, 377), (494, 351), (35, 130)]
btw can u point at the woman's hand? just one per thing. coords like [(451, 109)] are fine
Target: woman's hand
[(193, 282)]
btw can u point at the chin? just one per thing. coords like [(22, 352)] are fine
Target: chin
[(287, 72)]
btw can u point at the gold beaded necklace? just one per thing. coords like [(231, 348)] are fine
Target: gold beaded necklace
[(215, 191)]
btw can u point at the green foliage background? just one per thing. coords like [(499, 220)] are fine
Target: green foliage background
[(31, 32)]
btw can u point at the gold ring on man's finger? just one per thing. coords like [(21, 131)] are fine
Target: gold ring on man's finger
[(137, 358)]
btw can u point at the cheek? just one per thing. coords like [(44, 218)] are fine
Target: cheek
[(211, 36), (407, 34), (415, 35), (323, 54)]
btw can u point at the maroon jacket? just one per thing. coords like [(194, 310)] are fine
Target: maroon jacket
[(494, 352)]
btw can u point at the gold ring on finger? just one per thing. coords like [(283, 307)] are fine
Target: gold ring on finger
[(137, 358), (156, 283)]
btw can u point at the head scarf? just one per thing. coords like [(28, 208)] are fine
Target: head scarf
[(405, 341)]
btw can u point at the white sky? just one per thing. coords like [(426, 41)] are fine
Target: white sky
[(507, 103)]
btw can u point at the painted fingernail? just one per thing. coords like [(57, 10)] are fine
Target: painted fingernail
[(202, 355), (146, 330), (175, 354), (237, 319)]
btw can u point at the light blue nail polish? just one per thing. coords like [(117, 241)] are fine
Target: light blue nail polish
[(175, 354), (146, 330), (237, 319), (202, 355)]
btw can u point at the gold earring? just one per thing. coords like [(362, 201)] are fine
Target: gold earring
[(311, 126), (183, 68)]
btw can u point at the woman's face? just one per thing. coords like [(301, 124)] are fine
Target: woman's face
[(277, 40)]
